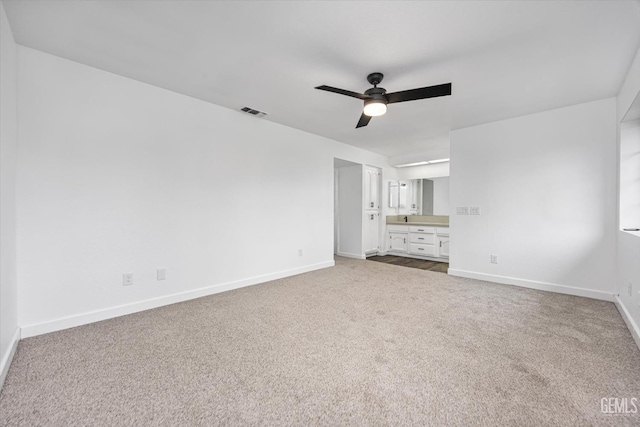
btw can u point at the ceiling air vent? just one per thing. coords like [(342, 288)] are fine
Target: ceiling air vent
[(253, 112)]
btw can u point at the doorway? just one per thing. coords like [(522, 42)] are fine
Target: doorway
[(347, 208)]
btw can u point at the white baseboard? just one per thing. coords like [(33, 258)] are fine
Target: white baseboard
[(350, 255), (631, 324), (109, 313), (533, 284), (7, 357)]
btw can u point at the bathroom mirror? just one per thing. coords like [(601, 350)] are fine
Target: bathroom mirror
[(399, 194), (424, 196), (393, 194)]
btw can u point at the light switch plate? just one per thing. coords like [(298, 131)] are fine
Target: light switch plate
[(161, 274), (462, 210)]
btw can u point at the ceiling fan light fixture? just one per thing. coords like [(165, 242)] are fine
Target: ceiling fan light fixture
[(376, 98), (375, 107)]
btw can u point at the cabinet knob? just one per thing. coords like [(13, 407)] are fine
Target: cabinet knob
[(371, 204)]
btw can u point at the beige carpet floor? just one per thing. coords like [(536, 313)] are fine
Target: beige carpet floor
[(363, 343)]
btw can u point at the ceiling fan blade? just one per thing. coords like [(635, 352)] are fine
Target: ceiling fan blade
[(420, 93), (343, 92), (364, 120)]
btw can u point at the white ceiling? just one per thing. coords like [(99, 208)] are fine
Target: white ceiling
[(504, 58)]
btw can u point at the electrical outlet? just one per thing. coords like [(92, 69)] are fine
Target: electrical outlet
[(299, 252), (462, 210), (161, 274), (494, 259), (127, 279), (630, 288), (474, 210)]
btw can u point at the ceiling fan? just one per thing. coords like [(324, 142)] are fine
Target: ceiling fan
[(377, 98)]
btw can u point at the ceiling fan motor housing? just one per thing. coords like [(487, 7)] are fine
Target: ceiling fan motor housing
[(376, 95)]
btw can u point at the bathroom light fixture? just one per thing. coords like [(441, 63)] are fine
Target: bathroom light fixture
[(406, 165), (375, 107)]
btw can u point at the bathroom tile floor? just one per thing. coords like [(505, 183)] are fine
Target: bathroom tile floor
[(440, 267)]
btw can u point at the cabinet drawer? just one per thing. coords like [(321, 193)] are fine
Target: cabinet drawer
[(418, 249), (421, 229), (422, 238), (401, 228)]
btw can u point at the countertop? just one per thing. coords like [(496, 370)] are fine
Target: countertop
[(427, 224)]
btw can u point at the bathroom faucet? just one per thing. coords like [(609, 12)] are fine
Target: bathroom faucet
[(406, 219)]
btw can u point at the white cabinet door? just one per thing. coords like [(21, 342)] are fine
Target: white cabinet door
[(372, 232), (371, 188), (442, 246), (397, 242)]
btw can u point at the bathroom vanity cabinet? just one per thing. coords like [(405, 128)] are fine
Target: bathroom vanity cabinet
[(419, 241)]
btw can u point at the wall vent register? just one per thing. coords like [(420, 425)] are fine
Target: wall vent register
[(253, 112)]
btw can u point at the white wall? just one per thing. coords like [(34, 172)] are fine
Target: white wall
[(545, 184), (628, 245), (350, 204), (119, 176), (9, 332), (424, 171), (441, 195)]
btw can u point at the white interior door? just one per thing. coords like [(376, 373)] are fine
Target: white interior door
[(372, 234)]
